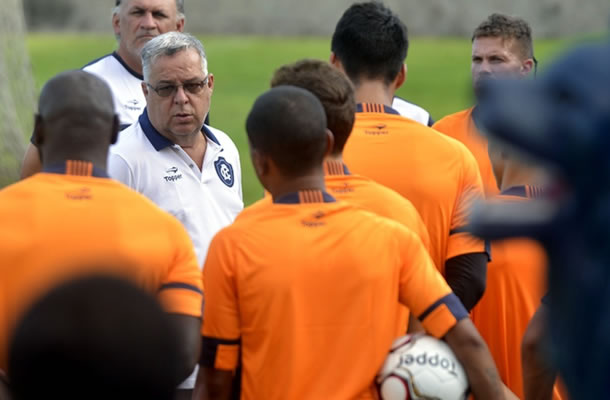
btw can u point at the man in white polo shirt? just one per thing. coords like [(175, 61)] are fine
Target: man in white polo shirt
[(187, 168)]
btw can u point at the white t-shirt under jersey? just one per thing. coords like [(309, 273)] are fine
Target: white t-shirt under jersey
[(125, 84), (412, 111)]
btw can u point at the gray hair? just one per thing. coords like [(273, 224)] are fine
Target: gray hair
[(169, 44), (179, 8)]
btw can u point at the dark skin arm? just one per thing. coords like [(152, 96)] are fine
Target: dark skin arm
[(4, 392), (187, 331), (466, 275), (213, 384), (473, 354), (538, 375)]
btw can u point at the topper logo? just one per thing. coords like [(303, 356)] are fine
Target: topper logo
[(434, 361)]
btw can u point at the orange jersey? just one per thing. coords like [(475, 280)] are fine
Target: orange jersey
[(461, 126), (436, 173), (516, 281), (307, 291), (58, 226)]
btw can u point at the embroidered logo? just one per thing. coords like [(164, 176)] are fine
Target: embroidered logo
[(224, 171), (133, 105), (172, 178)]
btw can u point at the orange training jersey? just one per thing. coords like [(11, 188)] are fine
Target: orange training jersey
[(516, 280), (57, 226), (436, 173), (304, 292), (461, 126)]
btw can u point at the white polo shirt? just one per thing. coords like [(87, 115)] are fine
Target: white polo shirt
[(204, 201), (125, 85), (412, 111)]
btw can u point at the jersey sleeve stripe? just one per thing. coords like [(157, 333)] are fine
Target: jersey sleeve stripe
[(219, 353), (452, 302), (461, 229), (180, 285)]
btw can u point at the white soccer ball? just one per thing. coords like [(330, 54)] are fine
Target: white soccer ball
[(422, 367)]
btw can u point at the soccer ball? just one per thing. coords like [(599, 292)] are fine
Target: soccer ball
[(422, 367)]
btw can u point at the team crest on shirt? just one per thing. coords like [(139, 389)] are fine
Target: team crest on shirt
[(225, 171)]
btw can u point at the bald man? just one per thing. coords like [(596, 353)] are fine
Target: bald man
[(70, 218)]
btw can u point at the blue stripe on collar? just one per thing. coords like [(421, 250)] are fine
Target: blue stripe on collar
[(305, 196), (78, 168), (159, 141), (375, 108), (127, 67)]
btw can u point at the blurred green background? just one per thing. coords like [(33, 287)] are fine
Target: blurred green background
[(438, 73)]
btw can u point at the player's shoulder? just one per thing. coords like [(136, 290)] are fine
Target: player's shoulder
[(451, 119), (382, 194), (411, 111)]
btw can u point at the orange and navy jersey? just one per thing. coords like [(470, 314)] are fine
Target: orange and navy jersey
[(71, 221), (461, 126), (295, 285), (436, 173), (516, 280)]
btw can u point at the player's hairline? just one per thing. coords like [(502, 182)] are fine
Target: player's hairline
[(179, 8)]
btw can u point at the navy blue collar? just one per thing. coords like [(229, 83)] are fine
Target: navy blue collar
[(78, 168), (305, 196), (335, 168), (127, 67), (375, 108), (530, 192), (159, 141)]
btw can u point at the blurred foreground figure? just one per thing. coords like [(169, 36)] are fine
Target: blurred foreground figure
[(564, 120), (78, 341)]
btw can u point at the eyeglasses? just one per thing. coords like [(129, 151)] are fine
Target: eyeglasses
[(165, 90)]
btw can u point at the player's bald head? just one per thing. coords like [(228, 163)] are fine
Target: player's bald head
[(288, 124), (75, 114)]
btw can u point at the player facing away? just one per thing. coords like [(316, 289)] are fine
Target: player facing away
[(516, 276), (303, 292), (501, 48), (134, 22), (336, 93), (436, 173), (72, 219)]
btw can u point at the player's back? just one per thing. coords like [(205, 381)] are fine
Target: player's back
[(55, 227), (516, 281), (317, 293), (461, 126), (436, 173)]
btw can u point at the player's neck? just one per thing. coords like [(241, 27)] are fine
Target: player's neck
[(334, 158), (314, 181), (374, 92), (135, 63), (98, 160)]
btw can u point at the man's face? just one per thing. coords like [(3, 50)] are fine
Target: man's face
[(182, 113), (496, 57), (141, 20)]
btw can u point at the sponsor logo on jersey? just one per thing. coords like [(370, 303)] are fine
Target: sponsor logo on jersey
[(173, 175)]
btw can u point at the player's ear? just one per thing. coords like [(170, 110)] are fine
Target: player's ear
[(180, 25), (211, 81), (116, 127), (527, 66), (401, 77), (330, 143), (144, 88), (38, 134), (116, 24), (335, 62)]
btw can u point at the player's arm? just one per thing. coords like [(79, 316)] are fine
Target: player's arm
[(31, 162), (181, 295), (424, 291), (467, 256), (4, 392), (220, 331), (538, 375)]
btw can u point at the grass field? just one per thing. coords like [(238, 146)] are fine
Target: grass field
[(438, 73)]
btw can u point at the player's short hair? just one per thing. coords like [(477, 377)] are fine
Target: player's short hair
[(371, 42), (331, 87), (97, 338), (179, 8), (288, 125), (169, 44), (508, 28)]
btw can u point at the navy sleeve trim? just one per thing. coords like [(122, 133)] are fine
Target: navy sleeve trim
[(209, 349), (461, 229), (431, 121), (179, 285), (453, 304)]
